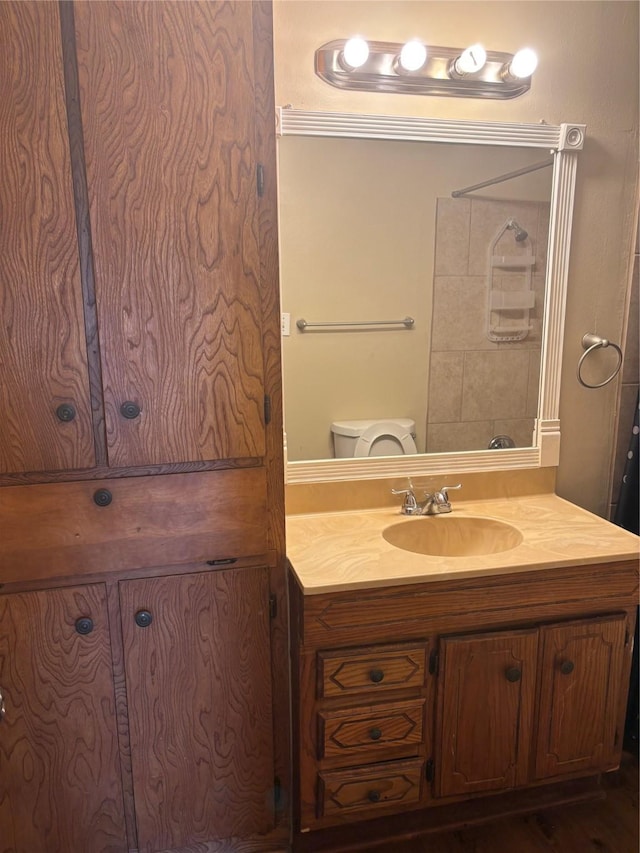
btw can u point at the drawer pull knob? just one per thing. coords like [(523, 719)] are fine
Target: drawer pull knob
[(375, 734), (514, 674), (102, 497), (3, 710), (376, 675), (65, 412), (567, 667), (374, 796), (129, 410), (143, 618), (84, 625)]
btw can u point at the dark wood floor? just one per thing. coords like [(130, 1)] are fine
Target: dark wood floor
[(603, 826)]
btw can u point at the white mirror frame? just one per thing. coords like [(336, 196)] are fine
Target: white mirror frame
[(563, 141)]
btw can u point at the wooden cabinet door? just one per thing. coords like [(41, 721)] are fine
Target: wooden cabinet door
[(199, 694), (42, 343), (485, 710), (580, 678), (60, 788), (167, 96)]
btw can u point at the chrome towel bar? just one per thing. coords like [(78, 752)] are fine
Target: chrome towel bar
[(408, 323)]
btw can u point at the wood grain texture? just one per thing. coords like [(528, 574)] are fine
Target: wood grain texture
[(83, 225), (389, 730), (368, 790), (58, 530), (408, 611), (199, 694), (168, 114), (570, 737), (60, 788), (358, 670), (484, 720), (271, 348), (42, 344)]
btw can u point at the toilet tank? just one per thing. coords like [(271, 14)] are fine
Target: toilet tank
[(347, 433)]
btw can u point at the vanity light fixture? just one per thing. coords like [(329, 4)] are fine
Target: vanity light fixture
[(417, 68)]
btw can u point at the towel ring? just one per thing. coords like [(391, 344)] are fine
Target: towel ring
[(591, 342)]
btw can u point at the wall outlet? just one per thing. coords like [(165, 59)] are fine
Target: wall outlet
[(285, 324)]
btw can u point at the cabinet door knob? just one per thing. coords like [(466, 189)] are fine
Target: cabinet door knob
[(129, 410), (375, 734), (66, 412), (3, 710), (102, 497), (84, 625), (374, 796), (567, 667), (143, 618), (514, 674), (376, 675)]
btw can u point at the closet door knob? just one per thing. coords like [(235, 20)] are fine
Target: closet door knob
[(84, 625), (513, 674), (567, 667), (129, 410), (143, 618), (65, 412), (102, 497)]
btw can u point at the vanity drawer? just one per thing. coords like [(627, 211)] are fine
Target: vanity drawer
[(394, 726), (396, 783), (374, 668)]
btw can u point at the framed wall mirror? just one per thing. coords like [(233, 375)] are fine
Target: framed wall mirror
[(423, 273)]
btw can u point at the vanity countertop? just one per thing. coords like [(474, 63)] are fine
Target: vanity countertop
[(337, 551)]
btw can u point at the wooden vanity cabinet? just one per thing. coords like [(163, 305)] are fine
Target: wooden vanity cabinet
[(472, 688), (488, 684)]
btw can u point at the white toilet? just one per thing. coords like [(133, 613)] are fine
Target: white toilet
[(388, 437)]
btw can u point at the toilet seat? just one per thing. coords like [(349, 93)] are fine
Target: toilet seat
[(386, 430)]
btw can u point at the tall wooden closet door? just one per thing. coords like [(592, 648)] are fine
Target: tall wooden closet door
[(60, 788), (167, 95), (198, 667), (42, 341)]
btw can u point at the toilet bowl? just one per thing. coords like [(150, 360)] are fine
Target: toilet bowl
[(386, 437)]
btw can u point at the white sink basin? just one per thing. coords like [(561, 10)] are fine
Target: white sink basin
[(452, 536)]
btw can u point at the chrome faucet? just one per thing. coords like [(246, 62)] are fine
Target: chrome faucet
[(434, 503)]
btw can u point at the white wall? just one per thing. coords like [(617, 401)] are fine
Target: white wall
[(588, 73)]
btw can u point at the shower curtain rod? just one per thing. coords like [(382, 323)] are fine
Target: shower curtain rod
[(505, 177)]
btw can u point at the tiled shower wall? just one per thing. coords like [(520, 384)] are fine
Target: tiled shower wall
[(629, 389), (479, 388)]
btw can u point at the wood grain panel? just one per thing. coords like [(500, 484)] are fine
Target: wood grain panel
[(58, 530), (168, 114), (42, 344), (406, 611), (393, 726), (59, 770), (578, 709), (370, 670), (198, 685), (395, 784), (485, 719)]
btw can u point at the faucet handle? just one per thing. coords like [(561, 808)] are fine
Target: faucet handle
[(409, 504), (446, 489)]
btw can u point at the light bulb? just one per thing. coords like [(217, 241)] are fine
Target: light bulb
[(413, 55), (524, 63), (355, 52), (470, 60)]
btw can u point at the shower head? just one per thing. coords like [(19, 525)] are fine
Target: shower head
[(520, 233)]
